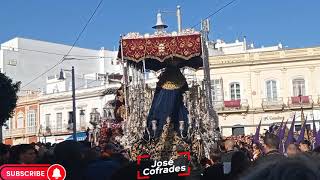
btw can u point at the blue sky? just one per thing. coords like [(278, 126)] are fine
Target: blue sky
[(295, 23)]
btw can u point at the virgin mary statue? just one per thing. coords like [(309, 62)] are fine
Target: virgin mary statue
[(168, 103)]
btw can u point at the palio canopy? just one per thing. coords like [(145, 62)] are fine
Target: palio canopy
[(159, 50)]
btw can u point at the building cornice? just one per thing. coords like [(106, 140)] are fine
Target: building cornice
[(69, 98), (269, 57), (29, 103)]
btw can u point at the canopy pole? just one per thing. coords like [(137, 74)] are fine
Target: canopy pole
[(206, 68), (125, 76), (207, 81), (144, 74)]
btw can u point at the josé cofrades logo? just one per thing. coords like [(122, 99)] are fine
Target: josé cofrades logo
[(163, 167), (32, 172)]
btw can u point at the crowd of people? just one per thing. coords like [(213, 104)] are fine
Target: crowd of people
[(236, 158), (80, 160), (240, 158)]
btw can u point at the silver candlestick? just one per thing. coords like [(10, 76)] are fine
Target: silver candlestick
[(154, 127)]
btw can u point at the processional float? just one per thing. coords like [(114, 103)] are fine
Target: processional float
[(177, 114)]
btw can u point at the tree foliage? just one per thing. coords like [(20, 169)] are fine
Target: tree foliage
[(8, 97)]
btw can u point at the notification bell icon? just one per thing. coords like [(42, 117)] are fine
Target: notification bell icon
[(56, 173)]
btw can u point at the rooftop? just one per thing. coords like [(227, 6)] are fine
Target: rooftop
[(219, 47), (260, 56)]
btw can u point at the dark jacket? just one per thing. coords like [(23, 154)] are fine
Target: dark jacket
[(101, 169), (227, 156), (213, 172), (273, 157)]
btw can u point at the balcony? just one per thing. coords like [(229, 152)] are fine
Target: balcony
[(218, 105), (231, 106), (272, 104), (59, 130), (31, 130), (51, 130), (300, 101), (318, 100), (7, 133), (20, 132), (15, 132)]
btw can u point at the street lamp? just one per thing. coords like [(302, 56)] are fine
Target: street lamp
[(94, 117), (94, 120), (178, 14), (82, 119), (61, 77)]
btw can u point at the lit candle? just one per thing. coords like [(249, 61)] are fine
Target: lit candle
[(154, 125), (181, 125)]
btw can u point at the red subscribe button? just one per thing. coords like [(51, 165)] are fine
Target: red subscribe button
[(32, 172)]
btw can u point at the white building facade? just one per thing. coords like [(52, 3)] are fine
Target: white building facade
[(266, 86), (56, 111), (24, 59)]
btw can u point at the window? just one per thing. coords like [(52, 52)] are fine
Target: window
[(47, 121), (13, 123), (31, 121), (82, 118), (31, 118), (235, 91), (70, 120), (298, 87), (59, 121), (216, 90), (20, 120), (271, 90), (12, 62), (236, 131)]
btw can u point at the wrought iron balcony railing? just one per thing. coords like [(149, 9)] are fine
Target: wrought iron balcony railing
[(19, 132), (318, 100), (272, 103), (231, 105), (7, 133), (300, 101), (31, 130), (218, 105), (63, 129)]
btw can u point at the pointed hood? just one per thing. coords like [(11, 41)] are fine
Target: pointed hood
[(290, 138), (302, 132), (314, 129), (280, 128), (257, 134), (283, 130)]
